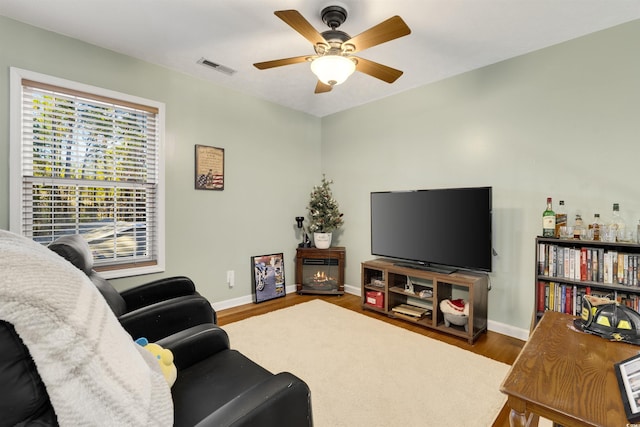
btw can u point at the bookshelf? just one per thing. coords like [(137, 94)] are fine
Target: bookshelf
[(566, 269)]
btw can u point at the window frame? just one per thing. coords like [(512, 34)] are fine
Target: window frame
[(17, 75)]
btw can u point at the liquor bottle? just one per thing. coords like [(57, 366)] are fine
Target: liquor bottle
[(548, 220), (617, 223), (561, 218), (578, 227), (596, 226)]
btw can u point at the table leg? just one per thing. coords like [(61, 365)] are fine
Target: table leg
[(519, 416), (519, 419)]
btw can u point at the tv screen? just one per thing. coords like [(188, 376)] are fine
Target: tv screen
[(441, 227)]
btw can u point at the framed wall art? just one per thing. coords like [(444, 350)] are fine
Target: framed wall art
[(209, 168), (267, 277)]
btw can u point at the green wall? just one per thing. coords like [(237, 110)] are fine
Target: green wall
[(560, 122), (271, 158)]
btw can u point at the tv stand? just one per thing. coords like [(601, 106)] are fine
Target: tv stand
[(427, 267), (413, 294)]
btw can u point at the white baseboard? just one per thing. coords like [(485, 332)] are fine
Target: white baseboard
[(247, 299), (230, 303), (353, 290), (511, 331), (501, 328)]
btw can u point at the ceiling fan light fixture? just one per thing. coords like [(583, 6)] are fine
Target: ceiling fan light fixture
[(333, 69)]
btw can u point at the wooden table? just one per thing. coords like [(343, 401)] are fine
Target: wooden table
[(566, 376)]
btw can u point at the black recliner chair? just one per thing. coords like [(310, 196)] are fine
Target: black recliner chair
[(152, 310), (216, 386), (23, 397)]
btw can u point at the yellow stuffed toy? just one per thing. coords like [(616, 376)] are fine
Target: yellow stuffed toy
[(165, 359)]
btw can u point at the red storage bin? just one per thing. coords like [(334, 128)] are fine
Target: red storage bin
[(375, 299)]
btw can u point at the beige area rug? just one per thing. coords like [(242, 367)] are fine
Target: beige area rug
[(365, 372)]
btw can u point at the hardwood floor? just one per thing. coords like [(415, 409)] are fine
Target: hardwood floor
[(493, 345)]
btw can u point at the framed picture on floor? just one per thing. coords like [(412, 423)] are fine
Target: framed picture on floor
[(209, 168), (267, 277), (628, 374)]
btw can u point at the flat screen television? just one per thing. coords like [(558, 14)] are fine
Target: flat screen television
[(439, 229)]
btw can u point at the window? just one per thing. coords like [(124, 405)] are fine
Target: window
[(89, 161)]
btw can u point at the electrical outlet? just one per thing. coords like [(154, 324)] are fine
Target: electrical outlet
[(231, 278)]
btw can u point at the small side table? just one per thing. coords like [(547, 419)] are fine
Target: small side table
[(320, 271)]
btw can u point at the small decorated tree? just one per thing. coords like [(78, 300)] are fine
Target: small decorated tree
[(324, 213)]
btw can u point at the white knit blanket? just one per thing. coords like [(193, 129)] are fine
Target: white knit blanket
[(93, 371)]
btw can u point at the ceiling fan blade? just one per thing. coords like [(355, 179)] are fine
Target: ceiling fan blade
[(296, 21), (378, 71), (322, 87), (280, 62), (385, 31)]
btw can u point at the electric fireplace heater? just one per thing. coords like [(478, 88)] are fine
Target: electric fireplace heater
[(320, 271)]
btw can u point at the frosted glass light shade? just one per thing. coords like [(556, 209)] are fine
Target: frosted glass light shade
[(333, 69)]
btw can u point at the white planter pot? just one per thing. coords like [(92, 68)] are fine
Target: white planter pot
[(322, 240)]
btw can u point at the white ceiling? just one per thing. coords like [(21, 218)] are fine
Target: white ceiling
[(448, 37)]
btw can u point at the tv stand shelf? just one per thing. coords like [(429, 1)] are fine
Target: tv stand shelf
[(385, 287), (403, 291)]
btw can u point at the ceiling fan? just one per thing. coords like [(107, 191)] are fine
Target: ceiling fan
[(334, 61)]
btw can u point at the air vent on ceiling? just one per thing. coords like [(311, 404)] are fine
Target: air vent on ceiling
[(226, 70)]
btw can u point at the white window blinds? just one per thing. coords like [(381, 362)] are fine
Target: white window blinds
[(90, 166)]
